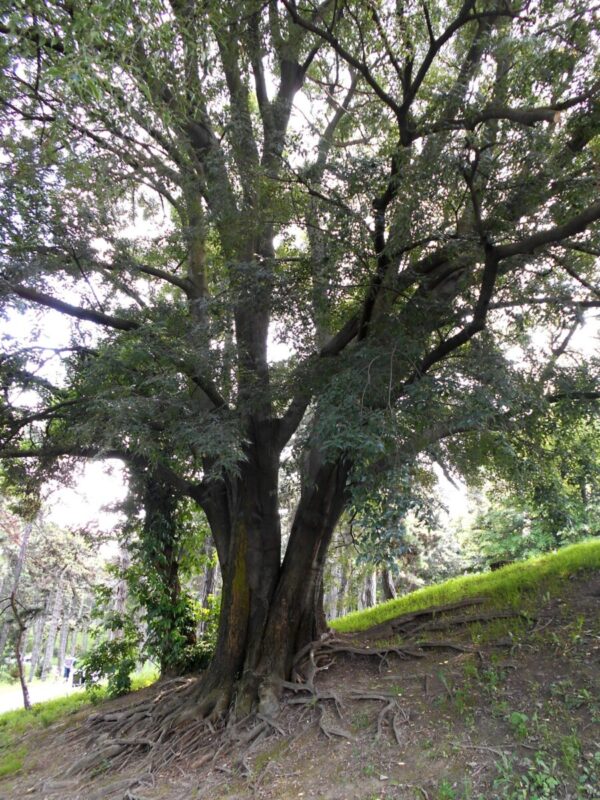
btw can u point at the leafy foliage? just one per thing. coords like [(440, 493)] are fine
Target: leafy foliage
[(113, 658), (402, 196)]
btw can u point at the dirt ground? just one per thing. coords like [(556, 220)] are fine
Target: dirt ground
[(507, 709)]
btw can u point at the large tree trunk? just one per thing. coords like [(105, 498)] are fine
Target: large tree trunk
[(270, 610), (244, 519)]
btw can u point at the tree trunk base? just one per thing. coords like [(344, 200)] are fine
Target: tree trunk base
[(213, 720)]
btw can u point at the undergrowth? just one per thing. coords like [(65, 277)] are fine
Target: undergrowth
[(512, 585)]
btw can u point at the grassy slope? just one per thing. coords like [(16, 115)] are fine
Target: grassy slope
[(513, 585), (15, 724), (517, 585)]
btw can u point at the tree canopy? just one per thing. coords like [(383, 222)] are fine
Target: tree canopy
[(402, 196)]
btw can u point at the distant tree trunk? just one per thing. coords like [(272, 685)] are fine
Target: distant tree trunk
[(52, 629), (4, 631), (368, 596), (64, 632), (21, 628), (208, 581), (13, 581), (38, 634), (79, 624), (343, 589), (331, 599), (387, 585), (120, 594), (5, 589), (209, 584), (27, 528), (85, 637), (85, 632)]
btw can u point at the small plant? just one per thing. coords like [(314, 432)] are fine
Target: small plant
[(539, 781), (360, 721), (464, 700), (113, 659), (446, 791), (518, 722), (492, 678), (571, 696), (589, 779), (570, 747)]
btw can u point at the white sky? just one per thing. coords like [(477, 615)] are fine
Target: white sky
[(97, 485)]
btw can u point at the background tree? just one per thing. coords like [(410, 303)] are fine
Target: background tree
[(438, 173), (50, 572)]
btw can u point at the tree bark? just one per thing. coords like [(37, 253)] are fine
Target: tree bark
[(38, 634), (21, 628), (64, 633), (387, 585), (52, 630), (368, 596)]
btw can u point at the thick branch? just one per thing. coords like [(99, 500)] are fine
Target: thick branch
[(161, 470), (522, 116), (358, 65), (547, 236), (87, 314), (477, 324)]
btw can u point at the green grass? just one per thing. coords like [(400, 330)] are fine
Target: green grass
[(41, 715), (17, 723), (11, 762), (513, 586), (145, 676)]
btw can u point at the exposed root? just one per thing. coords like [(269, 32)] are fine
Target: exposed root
[(453, 622), (391, 714), (180, 722), (406, 623), (310, 658), (189, 720), (330, 728)]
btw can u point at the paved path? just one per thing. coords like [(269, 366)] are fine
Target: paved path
[(11, 697)]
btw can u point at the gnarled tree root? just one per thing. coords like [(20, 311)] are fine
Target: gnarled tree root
[(192, 720)]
